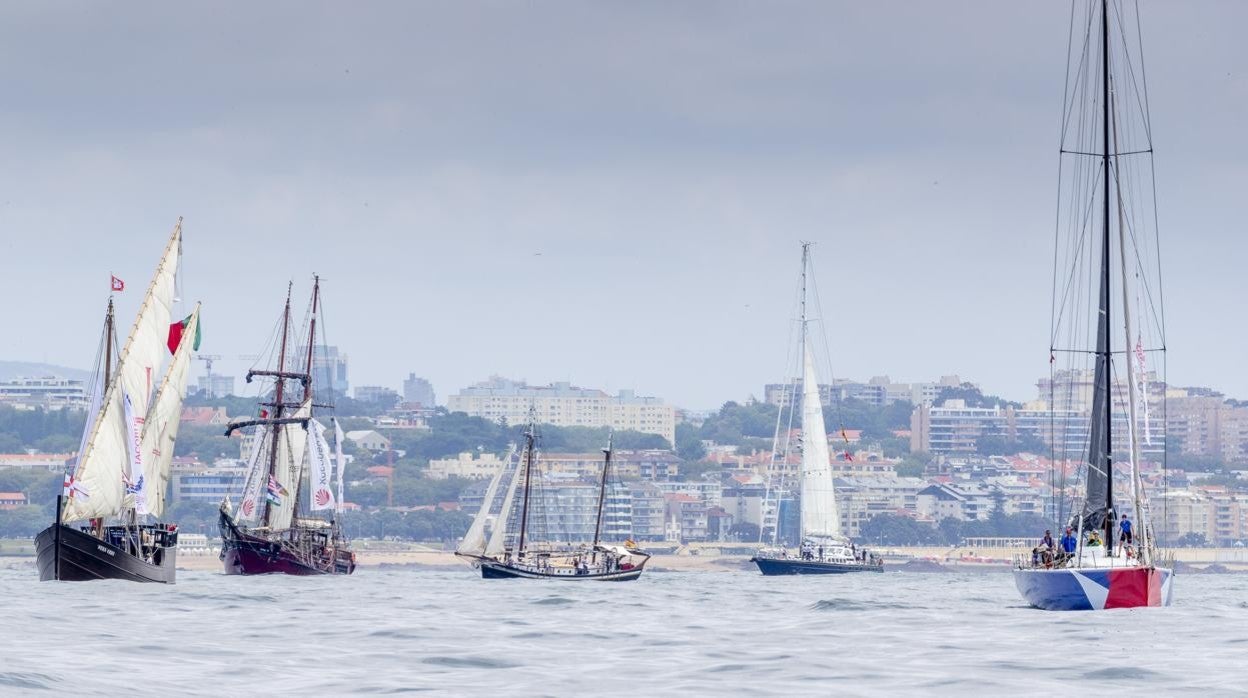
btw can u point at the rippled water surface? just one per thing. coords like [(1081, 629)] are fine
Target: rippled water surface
[(399, 629)]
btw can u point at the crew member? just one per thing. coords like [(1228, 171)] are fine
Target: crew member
[(1126, 536)]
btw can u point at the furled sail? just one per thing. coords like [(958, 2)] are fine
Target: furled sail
[(1096, 505), (160, 428), (106, 457), (819, 514), (287, 471)]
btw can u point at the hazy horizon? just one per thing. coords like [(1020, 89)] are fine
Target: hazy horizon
[(607, 194)]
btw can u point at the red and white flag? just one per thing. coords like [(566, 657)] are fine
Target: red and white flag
[(118, 284), (74, 488)]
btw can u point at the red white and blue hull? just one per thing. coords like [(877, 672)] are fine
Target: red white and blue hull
[(1094, 589)]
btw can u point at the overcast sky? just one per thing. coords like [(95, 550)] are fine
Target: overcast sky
[(607, 193)]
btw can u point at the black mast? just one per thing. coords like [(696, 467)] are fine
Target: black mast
[(528, 477), (1109, 401), (602, 490)]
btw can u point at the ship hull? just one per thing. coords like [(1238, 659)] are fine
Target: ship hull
[(1087, 589), (498, 570), (83, 557), (243, 553), (776, 567)]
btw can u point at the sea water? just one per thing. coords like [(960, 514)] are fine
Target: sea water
[(693, 633)]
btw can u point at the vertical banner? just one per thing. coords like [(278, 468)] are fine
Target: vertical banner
[(338, 457), (319, 467), (136, 484)]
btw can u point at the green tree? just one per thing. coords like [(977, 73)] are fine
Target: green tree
[(894, 529), (689, 442)]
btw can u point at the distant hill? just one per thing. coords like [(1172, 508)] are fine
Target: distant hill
[(16, 369)]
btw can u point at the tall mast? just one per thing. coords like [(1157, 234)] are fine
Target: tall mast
[(528, 477), (108, 342), (801, 534), (316, 300), (276, 432), (602, 490), (1105, 356), (307, 386), (805, 263)]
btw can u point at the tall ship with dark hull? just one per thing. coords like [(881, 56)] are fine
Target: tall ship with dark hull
[(500, 543), (1107, 284), (108, 516), (823, 548), (280, 525)]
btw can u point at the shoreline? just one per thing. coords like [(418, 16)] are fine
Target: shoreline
[(711, 560)]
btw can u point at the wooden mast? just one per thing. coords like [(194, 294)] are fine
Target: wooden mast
[(307, 384), (275, 432)]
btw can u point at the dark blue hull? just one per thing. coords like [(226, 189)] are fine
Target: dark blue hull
[(772, 566)]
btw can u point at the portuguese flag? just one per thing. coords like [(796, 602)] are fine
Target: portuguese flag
[(175, 334)]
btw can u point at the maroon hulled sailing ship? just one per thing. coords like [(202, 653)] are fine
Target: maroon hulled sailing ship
[(280, 524)]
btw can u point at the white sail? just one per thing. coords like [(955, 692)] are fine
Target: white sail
[(291, 449), (819, 515), (105, 457), (498, 538), (249, 506), (320, 468), (160, 428), (474, 542)]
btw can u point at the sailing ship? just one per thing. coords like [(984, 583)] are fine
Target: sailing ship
[(823, 549), (289, 464), (1100, 137), (500, 556), (124, 459)]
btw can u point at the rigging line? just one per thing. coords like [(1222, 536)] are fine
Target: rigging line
[(1082, 239), (1130, 71), (1101, 155)]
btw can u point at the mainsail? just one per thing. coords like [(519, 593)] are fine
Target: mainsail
[(105, 458), (287, 471), (160, 428), (474, 542), (498, 538), (249, 506), (1096, 504), (819, 515)]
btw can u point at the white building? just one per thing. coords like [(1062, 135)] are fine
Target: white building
[(565, 405), (48, 392)]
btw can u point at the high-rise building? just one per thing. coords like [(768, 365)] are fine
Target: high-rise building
[(329, 369), (418, 391), (214, 385), (565, 405), (880, 390)]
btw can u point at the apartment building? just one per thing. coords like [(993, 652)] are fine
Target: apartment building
[(565, 405)]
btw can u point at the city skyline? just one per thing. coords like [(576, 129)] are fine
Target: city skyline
[(479, 203)]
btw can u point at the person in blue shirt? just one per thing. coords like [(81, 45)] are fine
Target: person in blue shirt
[(1125, 537), (1069, 542)]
